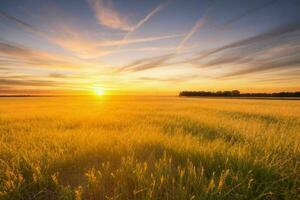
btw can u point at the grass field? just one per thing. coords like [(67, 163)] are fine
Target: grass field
[(149, 148)]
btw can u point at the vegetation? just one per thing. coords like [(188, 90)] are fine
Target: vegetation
[(149, 148), (236, 93)]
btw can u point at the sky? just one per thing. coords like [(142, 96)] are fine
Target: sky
[(149, 47)]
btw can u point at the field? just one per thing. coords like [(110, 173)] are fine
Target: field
[(149, 148)]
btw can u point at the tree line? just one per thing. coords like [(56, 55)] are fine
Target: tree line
[(236, 93)]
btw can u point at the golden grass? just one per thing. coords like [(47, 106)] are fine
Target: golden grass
[(149, 148)]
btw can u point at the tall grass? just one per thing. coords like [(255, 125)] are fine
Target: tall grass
[(149, 148)]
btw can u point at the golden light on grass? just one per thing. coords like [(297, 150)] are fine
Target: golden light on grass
[(139, 148)]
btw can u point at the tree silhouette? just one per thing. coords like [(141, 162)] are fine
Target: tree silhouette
[(236, 93)]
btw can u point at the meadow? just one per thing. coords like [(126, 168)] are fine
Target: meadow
[(142, 148)]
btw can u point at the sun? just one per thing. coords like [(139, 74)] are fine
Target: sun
[(99, 91)]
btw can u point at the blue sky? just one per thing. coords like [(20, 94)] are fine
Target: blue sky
[(149, 46)]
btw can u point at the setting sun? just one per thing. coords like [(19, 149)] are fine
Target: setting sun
[(99, 91)]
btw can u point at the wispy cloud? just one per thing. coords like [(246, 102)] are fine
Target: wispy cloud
[(52, 81), (68, 37), (147, 63), (22, 82), (57, 75), (159, 61), (198, 24), (108, 16), (71, 39), (148, 16), (274, 49), (246, 13), (143, 21), (19, 22), (174, 79), (258, 66), (269, 35), (137, 40), (195, 28), (12, 54)]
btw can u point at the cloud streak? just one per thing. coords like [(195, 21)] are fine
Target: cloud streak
[(246, 13), (19, 22), (272, 50), (200, 23), (282, 62), (69, 38), (176, 79), (113, 43), (72, 40), (17, 55), (159, 61), (269, 35), (145, 64), (108, 16), (148, 16), (22, 82), (142, 22)]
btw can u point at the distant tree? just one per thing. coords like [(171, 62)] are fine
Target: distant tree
[(236, 93)]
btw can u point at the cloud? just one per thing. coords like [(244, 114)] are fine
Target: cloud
[(197, 26), (278, 80), (282, 76), (72, 39), (269, 35), (19, 22), (2, 63), (272, 50), (108, 16), (54, 80), (65, 35), (143, 21), (21, 82), (92, 48), (17, 55), (226, 24), (247, 13), (137, 40), (147, 63), (57, 75), (286, 62), (176, 79), (148, 16)]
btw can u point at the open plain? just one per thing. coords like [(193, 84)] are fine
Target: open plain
[(149, 148)]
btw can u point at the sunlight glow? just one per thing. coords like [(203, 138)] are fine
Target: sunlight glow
[(99, 91)]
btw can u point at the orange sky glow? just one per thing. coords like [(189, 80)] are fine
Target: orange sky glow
[(148, 48)]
